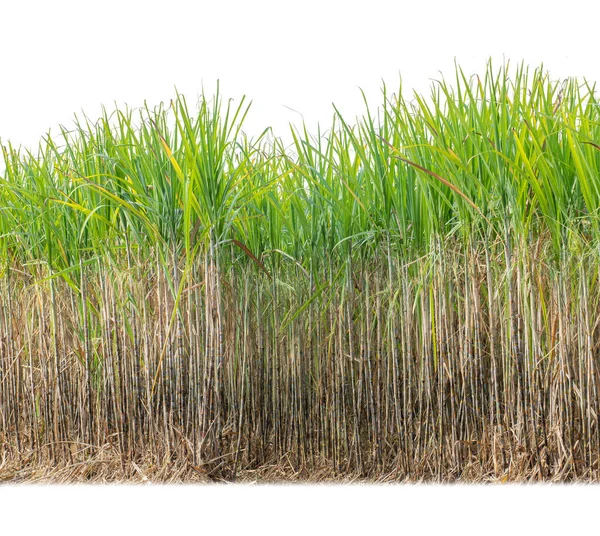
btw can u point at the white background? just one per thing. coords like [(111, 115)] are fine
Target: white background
[(59, 57), (299, 510)]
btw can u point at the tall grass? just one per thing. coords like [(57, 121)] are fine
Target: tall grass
[(412, 295)]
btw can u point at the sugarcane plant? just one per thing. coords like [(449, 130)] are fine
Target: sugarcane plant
[(412, 295)]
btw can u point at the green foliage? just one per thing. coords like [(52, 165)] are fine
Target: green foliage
[(496, 157)]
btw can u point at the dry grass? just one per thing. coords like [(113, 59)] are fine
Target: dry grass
[(420, 375)]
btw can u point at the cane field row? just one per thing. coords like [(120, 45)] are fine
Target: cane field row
[(411, 295)]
